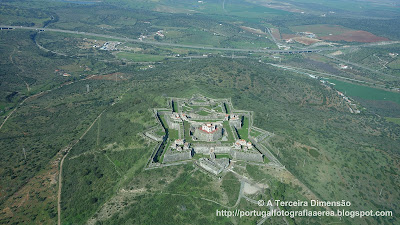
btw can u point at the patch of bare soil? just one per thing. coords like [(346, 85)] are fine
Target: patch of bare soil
[(253, 30), (38, 194), (306, 40)]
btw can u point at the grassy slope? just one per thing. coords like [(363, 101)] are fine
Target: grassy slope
[(281, 100)]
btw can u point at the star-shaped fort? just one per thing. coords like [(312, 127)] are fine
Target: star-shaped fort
[(208, 132)]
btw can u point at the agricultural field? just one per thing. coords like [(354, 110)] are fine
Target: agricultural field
[(366, 92), (355, 36), (395, 64), (393, 120), (381, 102), (336, 33), (321, 29), (341, 7)]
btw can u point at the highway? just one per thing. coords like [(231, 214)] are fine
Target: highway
[(5, 27)]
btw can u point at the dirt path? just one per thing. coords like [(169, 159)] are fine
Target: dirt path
[(69, 147), (358, 65), (39, 94), (67, 150), (115, 166), (9, 115), (47, 50), (20, 68)]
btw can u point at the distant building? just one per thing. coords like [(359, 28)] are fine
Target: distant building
[(160, 33)]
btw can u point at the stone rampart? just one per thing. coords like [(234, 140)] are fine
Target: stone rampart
[(247, 156), (177, 156)]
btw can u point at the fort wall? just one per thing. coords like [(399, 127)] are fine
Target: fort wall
[(247, 156), (177, 156)]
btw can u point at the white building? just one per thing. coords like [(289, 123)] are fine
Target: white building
[(209, 127), (179, 142), (241, 143)]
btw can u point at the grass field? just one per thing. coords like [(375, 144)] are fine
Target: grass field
[(186, 109), (193, 37), (165, 150), (254, 133), (228, 129), (203, 113), (356, 6), (218, 109), (393, 120), (395, 64), (160, 132), (173, 134), (252, 44), (364, 92), (186, 127), (174, 107), (321, 29), (218, 156), (244, 131), (163, 121)]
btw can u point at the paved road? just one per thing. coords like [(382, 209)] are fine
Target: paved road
[(158, 43), (272, 36), (192, 46), (303, 50), (39, 94), (67, 150)]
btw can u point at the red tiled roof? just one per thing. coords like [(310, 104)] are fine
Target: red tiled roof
[(207, 131)]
